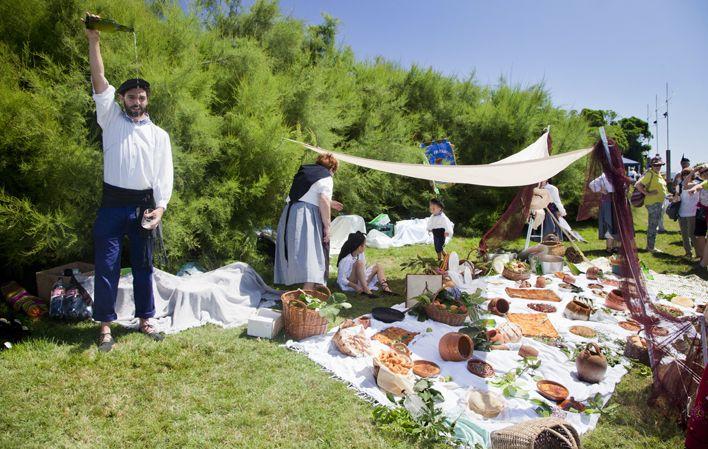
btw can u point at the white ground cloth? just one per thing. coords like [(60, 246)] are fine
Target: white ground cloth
[(227, 297), (499, 174), (555, 364), (340, 229), (406, 232)]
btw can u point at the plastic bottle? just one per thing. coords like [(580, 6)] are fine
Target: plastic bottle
[(57, 299)]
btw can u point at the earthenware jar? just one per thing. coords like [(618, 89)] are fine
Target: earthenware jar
[(578, 309), (615, 300), (528, 351), (455, 347), (498, 306), (591, 364)]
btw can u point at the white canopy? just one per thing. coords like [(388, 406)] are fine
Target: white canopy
[(529, 166)]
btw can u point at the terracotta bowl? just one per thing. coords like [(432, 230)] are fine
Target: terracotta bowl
[(552, 390), (480, 368), (425, 368)]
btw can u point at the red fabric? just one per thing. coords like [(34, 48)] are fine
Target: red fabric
[(697, 431), (677, 387)]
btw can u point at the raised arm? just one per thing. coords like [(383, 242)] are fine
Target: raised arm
[(98, 79)]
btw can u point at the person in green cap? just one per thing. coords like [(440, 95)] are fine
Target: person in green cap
[(653, 186)]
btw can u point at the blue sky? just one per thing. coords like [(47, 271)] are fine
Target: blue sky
[(602, 54)]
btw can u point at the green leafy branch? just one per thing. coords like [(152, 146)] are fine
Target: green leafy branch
[(417, 416)]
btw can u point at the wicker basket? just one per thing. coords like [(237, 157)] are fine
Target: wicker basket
[(556, 249), (543, 433), (301, 322), (443, 316), (514, 276)]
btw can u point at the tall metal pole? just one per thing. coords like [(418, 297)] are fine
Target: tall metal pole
[(668, 151), (648, 128), (656, 121)]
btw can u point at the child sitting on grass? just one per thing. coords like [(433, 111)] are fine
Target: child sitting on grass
[(353, 274), (440, 226)]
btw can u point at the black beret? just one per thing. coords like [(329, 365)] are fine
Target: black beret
[(134, 83)]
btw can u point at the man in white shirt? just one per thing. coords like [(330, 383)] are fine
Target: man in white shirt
[(137, 185)]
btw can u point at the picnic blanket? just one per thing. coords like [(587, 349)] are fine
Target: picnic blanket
[(227, 297), (555, 364)]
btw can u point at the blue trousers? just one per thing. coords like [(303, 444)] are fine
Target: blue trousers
[(112, 223)]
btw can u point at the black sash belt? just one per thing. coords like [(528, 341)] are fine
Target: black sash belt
[(140, 199)]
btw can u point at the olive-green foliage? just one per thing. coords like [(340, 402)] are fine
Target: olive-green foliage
[(228, 85)]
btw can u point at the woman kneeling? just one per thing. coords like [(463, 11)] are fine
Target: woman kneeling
[(353, 274)]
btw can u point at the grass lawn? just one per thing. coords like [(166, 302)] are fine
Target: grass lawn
[(210, 387)]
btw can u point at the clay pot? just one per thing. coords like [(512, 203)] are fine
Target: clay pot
[(498, 306), (494, 336), (593, 273), (541, 282), (577, 310), (528, 351), (455, 347), (615, 300), (591, 364)]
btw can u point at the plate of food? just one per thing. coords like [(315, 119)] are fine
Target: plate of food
[(393, 335)]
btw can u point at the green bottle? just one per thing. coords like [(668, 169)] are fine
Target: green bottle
[(107, 25)]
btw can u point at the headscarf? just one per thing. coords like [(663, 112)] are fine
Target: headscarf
[(353, 242)]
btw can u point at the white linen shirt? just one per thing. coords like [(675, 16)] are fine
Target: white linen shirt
[(440, 221), (136, 155), (598, 183), (324, 186)]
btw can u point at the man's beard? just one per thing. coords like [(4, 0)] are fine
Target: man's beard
[(135, 111)]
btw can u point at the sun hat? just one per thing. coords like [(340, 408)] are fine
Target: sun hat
[(656, 160)]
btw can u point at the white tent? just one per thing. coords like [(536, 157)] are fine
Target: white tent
[(340, 229)]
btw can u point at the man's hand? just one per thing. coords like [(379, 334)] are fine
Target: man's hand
[(91, 34), (155, 216), (336, 205)]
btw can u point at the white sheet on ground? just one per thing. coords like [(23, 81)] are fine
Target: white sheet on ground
[(340, 229), (227, 297), (406, 232), (500, 174), (555, 364)]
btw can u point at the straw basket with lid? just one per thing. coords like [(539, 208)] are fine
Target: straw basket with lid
[(301, 322), (554, 245), (543, 433)]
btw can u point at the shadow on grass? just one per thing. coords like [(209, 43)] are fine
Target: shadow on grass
[(80, 336)]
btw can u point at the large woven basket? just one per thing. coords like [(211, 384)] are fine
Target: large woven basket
[(443, 316), (543, 433), (514, 276), (301, 322)]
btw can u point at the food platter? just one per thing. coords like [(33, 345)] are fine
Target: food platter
[(552, 390), (392, 335), (535, 294), (425, 368)]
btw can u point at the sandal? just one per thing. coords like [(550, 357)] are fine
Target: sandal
[(106, 342), (149, 330), (386, 290), (371, 295)]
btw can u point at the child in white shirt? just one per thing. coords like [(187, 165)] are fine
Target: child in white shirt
[(440, 226)]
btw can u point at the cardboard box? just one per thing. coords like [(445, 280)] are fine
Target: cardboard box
[(47, 278), (266, 323), (417, 283)]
